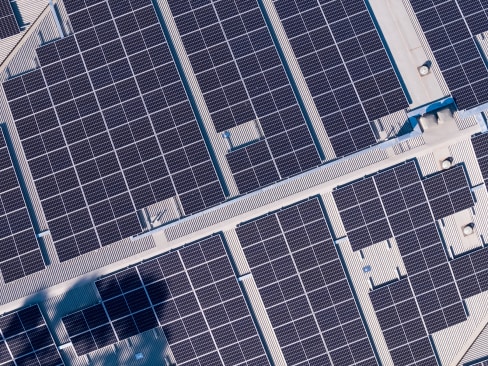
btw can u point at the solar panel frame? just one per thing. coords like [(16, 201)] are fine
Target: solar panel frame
[(8, 22), (242, 78), (20, 255), (333, 43), (99, 154), (173, 293), (26, 339), (303, 286), (451, 35)]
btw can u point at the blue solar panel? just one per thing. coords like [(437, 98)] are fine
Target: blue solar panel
[(242, 78), (108, 129), (450, 28), (346, 67), (8, 22), (401, 324), (304, 289), (396, 198), (26, 339), (191, 293), (20, 254)]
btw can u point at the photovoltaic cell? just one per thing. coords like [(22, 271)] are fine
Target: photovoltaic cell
[(20, 254), (480, 146), (448, 192), (362, 214), (345, 65), (304, 289), (191, 293), (401, 324), (26, 339), (393, 202), (471, 273), (107, 127), (400, 192), (242, 79), (450, 27), (8, 22)]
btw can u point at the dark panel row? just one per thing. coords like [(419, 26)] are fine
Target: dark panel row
[(243, 79), (304, 289), (345, 65), (20, 254), (107, 127), (191, 293)]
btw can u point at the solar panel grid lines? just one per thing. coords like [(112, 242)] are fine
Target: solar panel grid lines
[(8, 22), (88, 333), (26, 339), (304, 289), (346, 67), (211, 193), (242, 78), (20, 254), (480, 143), (192, 294), (396, 201), (401, 323), (362, 214), (127, 143), (448, 192), (471, 273), (408, 211), (449, 33)]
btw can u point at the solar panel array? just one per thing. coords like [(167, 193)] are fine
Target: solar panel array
[(26, 340), (408, 213), (450, 27), (304, 289), (402, 326), (345, 65), (480, 147), (362, 214), (471, 273), (242, 78), (431, 278), (107, 127), (393, 202), (8, 22), (20, 254), (191, 293), (448, 192)]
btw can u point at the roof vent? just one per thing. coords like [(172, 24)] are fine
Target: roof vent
[(446, 163), (425, 68), (468, 229)]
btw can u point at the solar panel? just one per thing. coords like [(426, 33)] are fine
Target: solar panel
[(450, 27), (393, 202), (448, 192), (242, 78), (400, 193), (362, 214), (346, 67), (471, 273), (304, 289), (20, 254), (26, 339), (401, 324), (191, 293), (8, 22), (480, 143), (108, 129)]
